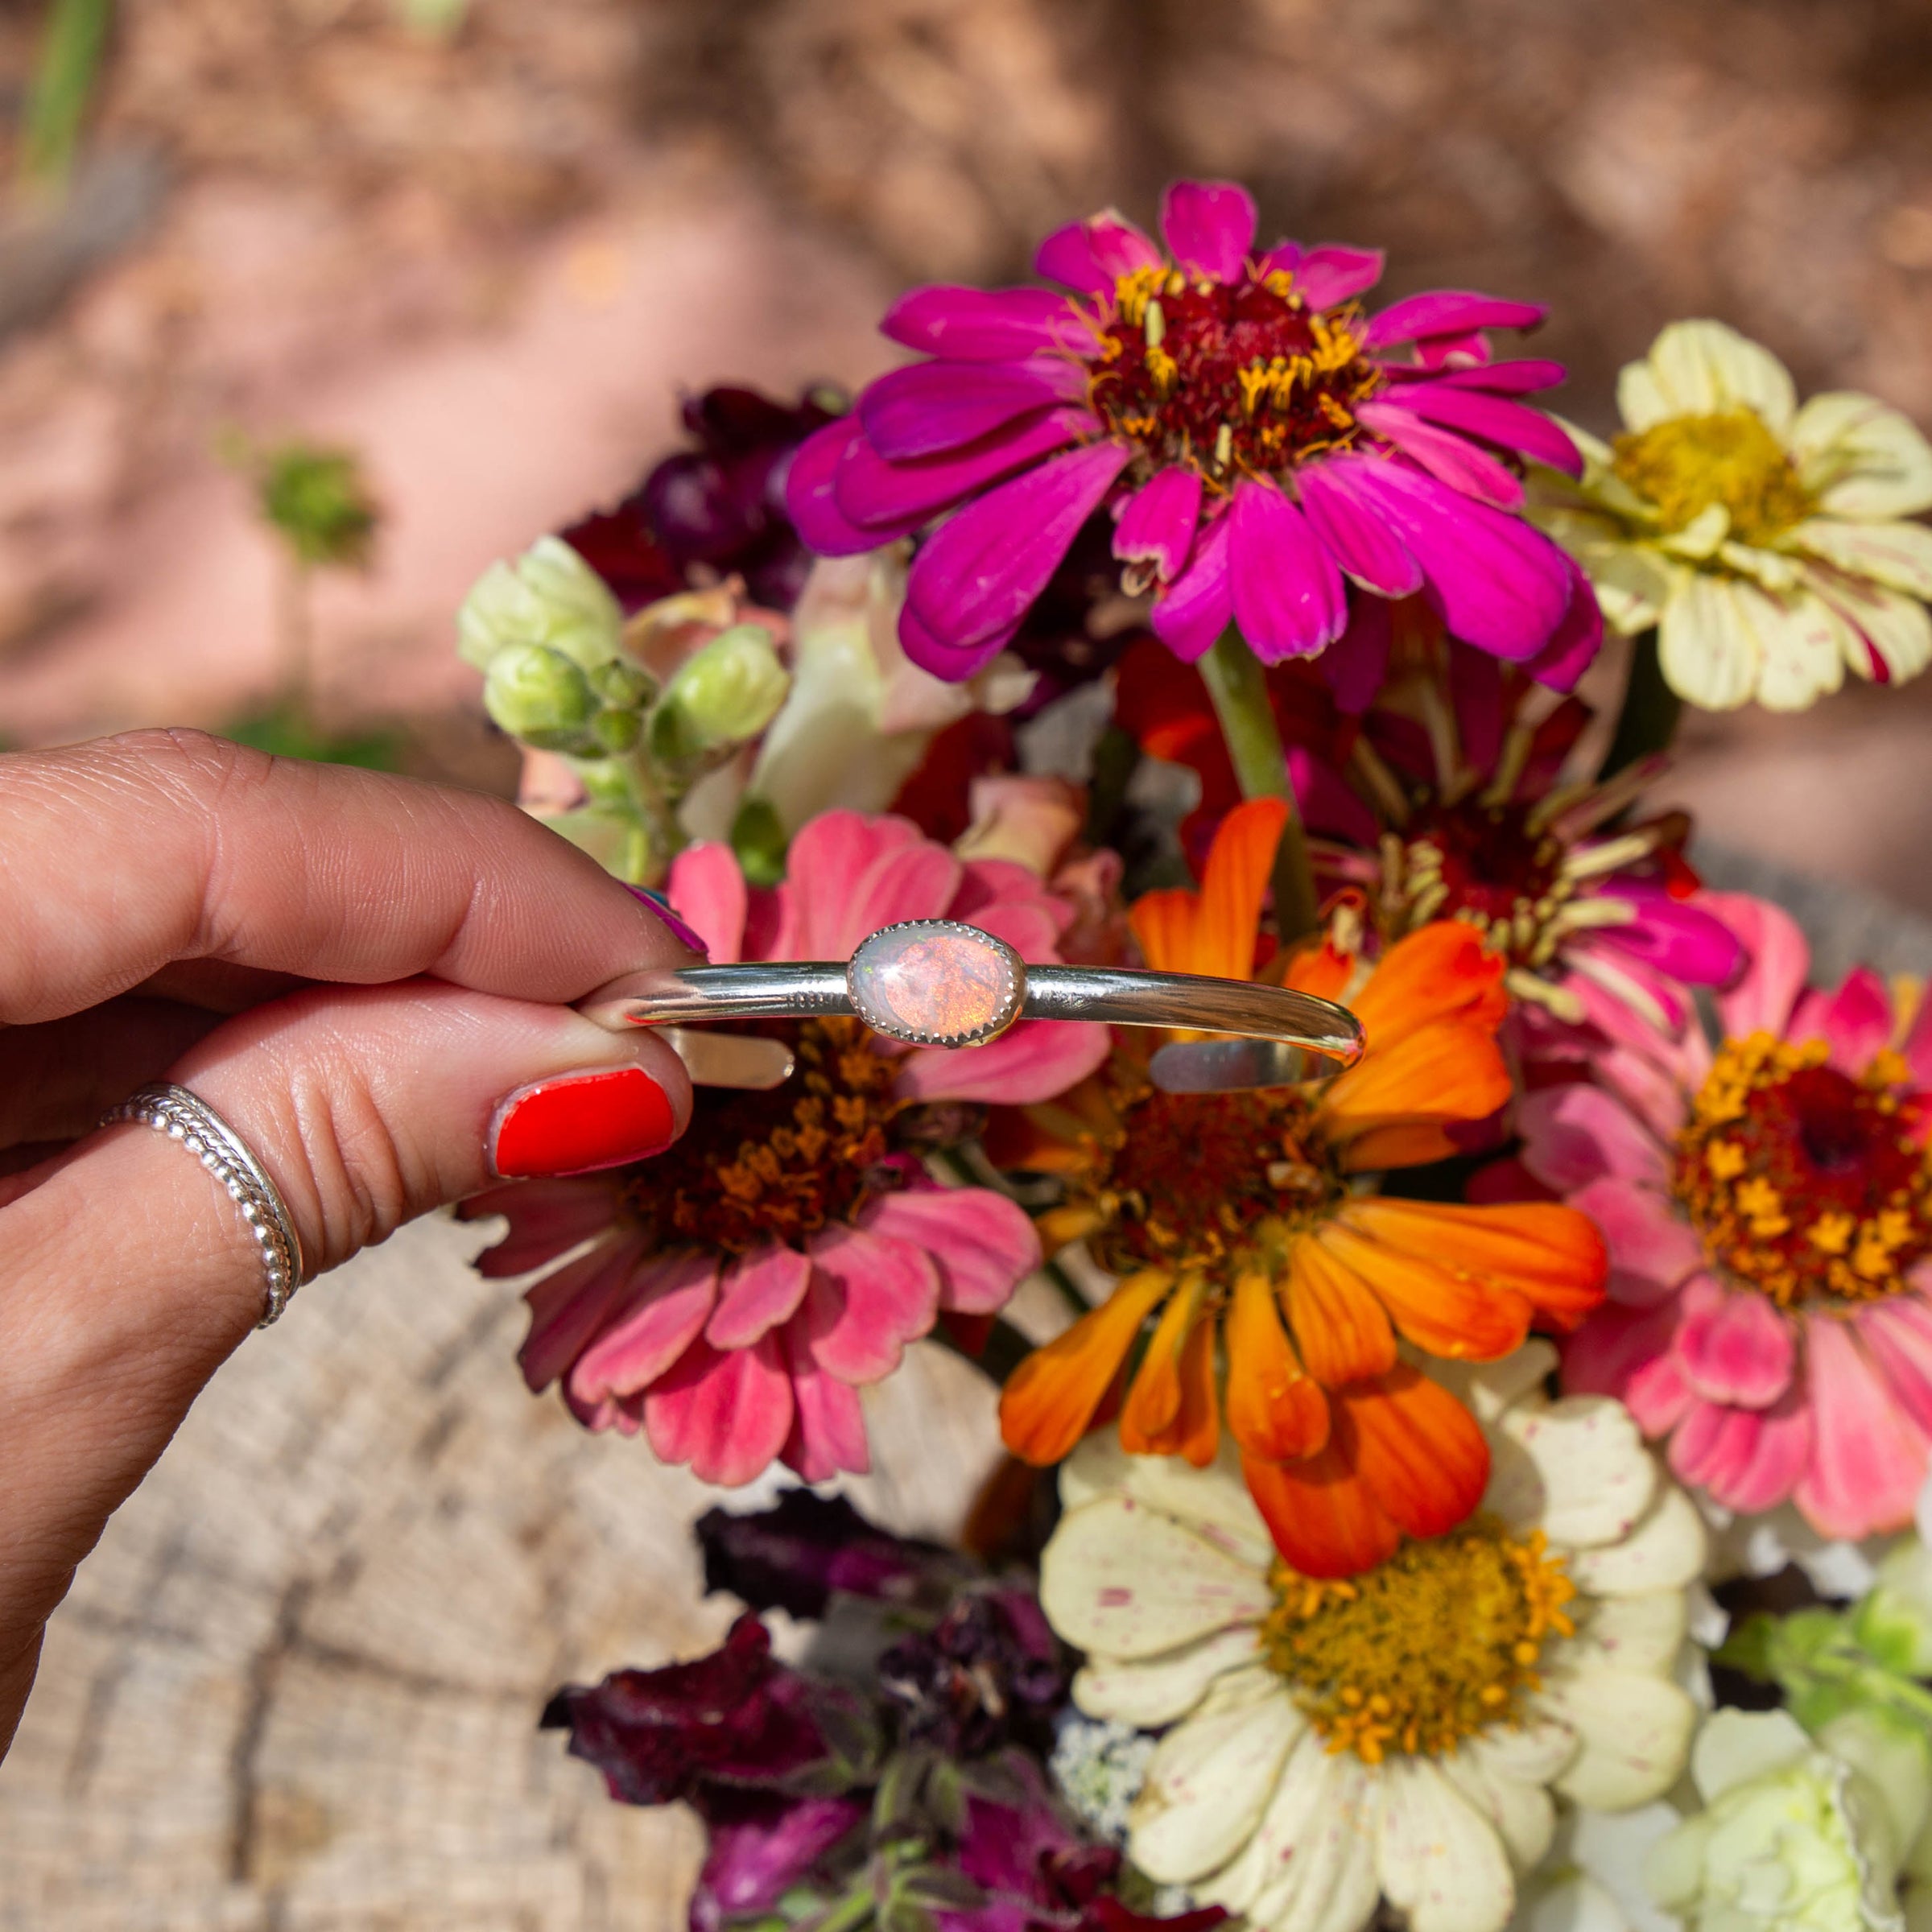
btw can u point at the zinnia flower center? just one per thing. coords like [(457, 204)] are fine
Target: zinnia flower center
[(1439, 1642), (1196, 1177), (779, 1165), (1802, 1180), (1685, 465), (1228, 379), (1490, 865)]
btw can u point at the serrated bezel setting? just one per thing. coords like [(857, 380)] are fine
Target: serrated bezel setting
[(1001, 992)]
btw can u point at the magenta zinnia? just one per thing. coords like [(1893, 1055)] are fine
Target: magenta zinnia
[(1768, 1207), (1262, 440), (739, 1290)]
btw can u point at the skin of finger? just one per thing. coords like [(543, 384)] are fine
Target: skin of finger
[(111, 1320), (120, 858), (58, 1078), (129, 1275)]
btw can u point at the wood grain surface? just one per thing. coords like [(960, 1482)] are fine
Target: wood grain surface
[(296, 1687)]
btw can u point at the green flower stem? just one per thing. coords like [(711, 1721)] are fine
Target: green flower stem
[(657, 818), (1240, 691), (1648, 721), (62, 88)]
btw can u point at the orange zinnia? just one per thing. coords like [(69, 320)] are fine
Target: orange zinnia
[(1271, 1281)]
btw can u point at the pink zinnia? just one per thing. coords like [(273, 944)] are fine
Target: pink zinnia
[(1768, 1207), (1262, 442), (740, 1289)]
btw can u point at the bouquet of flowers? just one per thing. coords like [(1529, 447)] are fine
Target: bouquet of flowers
[(1477, 1486)]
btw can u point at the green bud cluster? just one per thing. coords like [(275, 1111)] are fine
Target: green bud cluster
[(549, 638)]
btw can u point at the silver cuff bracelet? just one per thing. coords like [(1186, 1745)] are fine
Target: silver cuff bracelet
[(939, 983)]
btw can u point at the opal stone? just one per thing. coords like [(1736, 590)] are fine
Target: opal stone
[(932, 980)]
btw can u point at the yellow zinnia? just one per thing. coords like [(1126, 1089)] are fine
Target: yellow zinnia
[(1763, 540)]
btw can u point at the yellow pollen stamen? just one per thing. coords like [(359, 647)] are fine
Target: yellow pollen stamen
[(1442, 1640), (1685, 465)]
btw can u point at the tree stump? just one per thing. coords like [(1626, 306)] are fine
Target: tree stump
[(296, 1688)]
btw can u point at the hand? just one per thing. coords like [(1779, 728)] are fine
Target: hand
[(369, 979)]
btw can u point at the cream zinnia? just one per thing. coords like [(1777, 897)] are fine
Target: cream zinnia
[(1399, 1735)]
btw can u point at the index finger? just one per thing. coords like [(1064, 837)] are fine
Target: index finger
[(120, 857)]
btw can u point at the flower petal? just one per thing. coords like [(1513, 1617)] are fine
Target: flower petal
[(848, 874), (869, 1297), (1288, 597), (1209, 225), (1896, 555), (1633, 1732), (1448, 311), (1149, 1692), (707, 890), (1049, 1399), (1651, 1249), (546, 1218), (1341, 1329), (1320, 1514), (1665, 1552), (1857, 1020), (1577, 1469), (1209, 1780), (979, 570), (1448, 456), (1330, 274), (1733, 1345), (1034, 1061), (1712, 640), (1748, 1460), (727, 1415), (1212, 932), (570, 1305), (1449, 1313), (827, 1435), (1511, 425), (1616, 1345), (1703, 368), (873, 493), (811, 497), (1441, 1864), (984, 1243), (1418, 1449), (1777, 963), (757, 1293), (1576, 1134), (1158, 525), (1092, 255), (1124, 1582), (1897, 1335), (930, 407), (1501, 585), (1861, 459), (1199, 605), (1867, 1461), (983, 325), (1274, 1411), (1360, 541), (664, 1310)]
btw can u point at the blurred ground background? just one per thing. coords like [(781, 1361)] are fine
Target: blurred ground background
[(486, 244)]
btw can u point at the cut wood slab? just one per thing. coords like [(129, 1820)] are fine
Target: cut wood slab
[(296, 1688)]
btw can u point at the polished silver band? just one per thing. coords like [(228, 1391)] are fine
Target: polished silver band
[(1271, 1027), (183, 1117)]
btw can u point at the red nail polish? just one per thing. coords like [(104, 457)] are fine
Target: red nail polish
[(580, 1122)]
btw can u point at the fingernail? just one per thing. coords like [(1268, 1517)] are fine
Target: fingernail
[(580, 1122), (669, 920)]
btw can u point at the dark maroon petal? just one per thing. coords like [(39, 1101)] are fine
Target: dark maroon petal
[(974, 578), (1521, 378), (1288, 596), (1106, 1913), (1329, 275), (1574, 644), (810, 494), (934, 407), (1357, 662), (1499, 584), (869, 491), (794, 1555), (1446, 455), (1356, 533), (1158, 525), (1448, 311), (735, 1717), (620, 548), (985, 325), (1092, 255), (1209, 225), (1509, 425), (1200, 605), (761, 1845)]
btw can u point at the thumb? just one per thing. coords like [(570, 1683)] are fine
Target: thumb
[(128, 1273)]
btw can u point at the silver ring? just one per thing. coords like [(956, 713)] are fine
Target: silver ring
[(185, 1117), (940, 983)]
